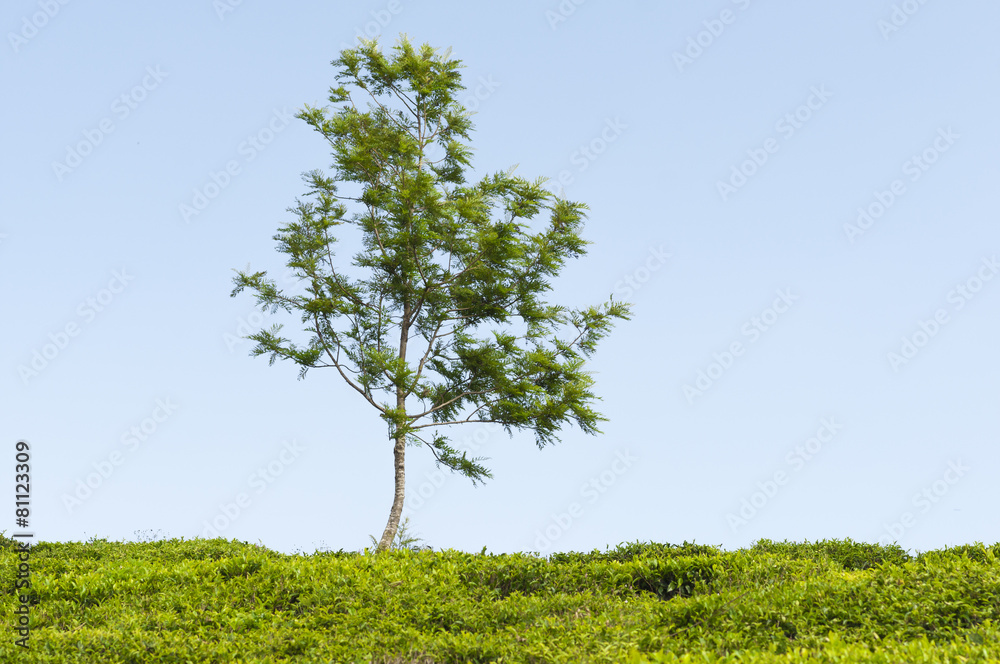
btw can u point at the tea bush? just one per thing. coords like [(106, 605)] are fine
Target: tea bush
[(228, 601)]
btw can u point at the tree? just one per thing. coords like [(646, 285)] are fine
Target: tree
[(445, 259)]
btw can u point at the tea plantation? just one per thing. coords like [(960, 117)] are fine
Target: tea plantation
[(224, 601)]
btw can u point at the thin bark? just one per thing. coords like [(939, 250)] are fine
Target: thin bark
[(399, 450)]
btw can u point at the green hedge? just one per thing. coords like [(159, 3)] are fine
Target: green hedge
[(227, 601)]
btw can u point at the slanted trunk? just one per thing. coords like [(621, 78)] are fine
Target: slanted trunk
[(399, 451)]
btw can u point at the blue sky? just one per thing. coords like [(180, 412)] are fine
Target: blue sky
[(798, 198)]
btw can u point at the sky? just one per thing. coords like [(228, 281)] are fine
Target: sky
[(799, 199)]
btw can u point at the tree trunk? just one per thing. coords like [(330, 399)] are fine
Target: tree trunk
[(399, 452)]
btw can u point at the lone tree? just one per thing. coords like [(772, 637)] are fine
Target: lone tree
[(445, 258)]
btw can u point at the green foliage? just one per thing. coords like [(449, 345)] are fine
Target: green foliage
[(973, 647), (628, 551), (7, 542), (851, 555), (977, 552), (228, 601)]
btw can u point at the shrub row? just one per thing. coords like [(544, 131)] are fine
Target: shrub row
[(226, 601)]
